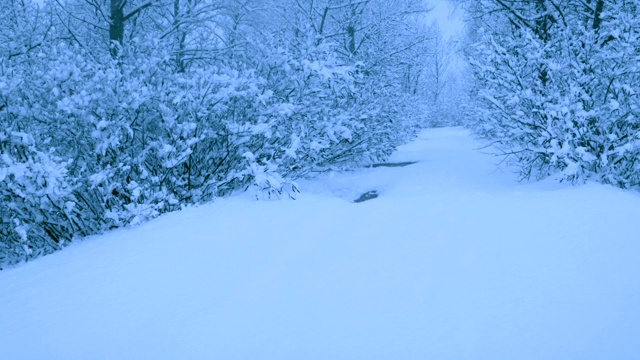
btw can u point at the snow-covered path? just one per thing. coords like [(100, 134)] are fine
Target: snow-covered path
[(453, 260)]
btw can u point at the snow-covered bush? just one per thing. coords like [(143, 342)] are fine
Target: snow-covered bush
[(36, 205), (561, 97), (194, 103), (320, 115)]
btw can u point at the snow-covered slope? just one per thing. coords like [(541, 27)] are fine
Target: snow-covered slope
[(453, 260)]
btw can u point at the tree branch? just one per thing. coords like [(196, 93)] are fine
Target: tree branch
[(137, 10)]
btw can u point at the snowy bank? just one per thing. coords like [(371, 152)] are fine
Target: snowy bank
[(453, 260)]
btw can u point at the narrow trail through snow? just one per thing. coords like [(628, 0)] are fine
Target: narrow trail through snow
[(453, 260)]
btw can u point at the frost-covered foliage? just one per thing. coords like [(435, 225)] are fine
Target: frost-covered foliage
[(560, 83), (196, 100), (36, 205)]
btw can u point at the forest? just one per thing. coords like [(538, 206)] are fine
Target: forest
[(113, 112)]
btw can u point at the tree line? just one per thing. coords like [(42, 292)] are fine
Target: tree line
[(115, 111), (556, 84)]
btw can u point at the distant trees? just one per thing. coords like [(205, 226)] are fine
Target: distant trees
[(114, 111), (445, 86), (558, 82)]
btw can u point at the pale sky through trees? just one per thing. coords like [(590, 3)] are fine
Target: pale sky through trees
[(449, 19)]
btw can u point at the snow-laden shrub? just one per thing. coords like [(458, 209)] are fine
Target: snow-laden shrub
[(565, 104), (211, 124), (112, 141), (328, 114), (36, 205)]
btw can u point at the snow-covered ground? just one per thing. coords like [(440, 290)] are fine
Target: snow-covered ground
[(454, 260)]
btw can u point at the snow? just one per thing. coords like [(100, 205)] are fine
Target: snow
[(454, 260)]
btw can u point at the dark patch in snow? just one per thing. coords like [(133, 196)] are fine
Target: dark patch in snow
[(397, 164), (369, 195)]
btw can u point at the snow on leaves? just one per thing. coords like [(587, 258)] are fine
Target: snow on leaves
[(198, 101), (558, 97)]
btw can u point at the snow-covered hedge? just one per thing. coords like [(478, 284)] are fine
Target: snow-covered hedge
[(90, 143), (563, 100), (36, 205)]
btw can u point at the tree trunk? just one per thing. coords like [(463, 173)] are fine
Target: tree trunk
[(116, 27), (597, 16)]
